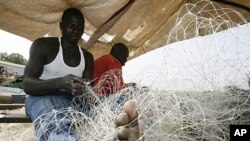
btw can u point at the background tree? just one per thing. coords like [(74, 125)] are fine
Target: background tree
[(13, 58), (3, 56)]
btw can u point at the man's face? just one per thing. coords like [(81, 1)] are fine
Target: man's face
[(72, 28), (123, 57)]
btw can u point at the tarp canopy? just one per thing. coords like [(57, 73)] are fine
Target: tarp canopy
[(144, 26)]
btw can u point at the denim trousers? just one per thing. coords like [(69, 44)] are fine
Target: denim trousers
[(39, 109)]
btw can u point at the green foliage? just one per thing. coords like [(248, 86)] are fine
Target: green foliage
[(3, 56), (13, 58)]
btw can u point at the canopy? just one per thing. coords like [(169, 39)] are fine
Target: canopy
[(143, 25)]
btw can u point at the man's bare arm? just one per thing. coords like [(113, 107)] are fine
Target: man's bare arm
[(89, 67), (34, 68)]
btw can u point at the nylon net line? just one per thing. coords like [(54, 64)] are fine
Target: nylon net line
[(202, 91), (201, 88), (203, 18)]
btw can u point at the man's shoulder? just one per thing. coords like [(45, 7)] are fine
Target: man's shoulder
[(104, 59), (110, 58), (45, 45), (109, 61), (86, 53), (46, 40)]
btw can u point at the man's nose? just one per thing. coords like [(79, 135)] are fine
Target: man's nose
[(75, 29)]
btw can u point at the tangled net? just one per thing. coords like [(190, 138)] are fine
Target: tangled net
[(204, 91), (203, 18)]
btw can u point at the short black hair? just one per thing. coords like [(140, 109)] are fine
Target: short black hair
[(119, 47), (71, 11)]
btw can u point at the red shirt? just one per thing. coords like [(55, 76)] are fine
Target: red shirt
[(108, 75)]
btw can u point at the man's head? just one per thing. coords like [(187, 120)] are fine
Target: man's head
[(72, 24), (120, 52)]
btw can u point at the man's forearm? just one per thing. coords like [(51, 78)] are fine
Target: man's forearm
[(33, 86)]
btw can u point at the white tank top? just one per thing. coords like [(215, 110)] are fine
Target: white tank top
[(57, 68)]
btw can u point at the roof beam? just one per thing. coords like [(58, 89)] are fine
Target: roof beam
[(107, 25)]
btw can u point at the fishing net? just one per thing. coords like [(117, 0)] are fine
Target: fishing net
[(201, 88)]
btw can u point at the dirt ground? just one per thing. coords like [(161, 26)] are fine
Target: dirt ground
[(17, 132)]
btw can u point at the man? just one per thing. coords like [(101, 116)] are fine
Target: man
[(55, 73), (56, 69), (108, 70)]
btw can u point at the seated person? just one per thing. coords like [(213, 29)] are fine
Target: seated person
[(108, 70), (55, 72), (54, 75)]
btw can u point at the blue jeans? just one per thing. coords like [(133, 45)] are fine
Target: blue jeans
[(38, 107)]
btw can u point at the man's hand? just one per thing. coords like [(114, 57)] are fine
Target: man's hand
[(72, 84)]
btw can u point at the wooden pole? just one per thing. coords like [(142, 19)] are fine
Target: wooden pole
[(106, 26)]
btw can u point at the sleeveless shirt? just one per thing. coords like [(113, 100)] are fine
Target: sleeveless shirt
[(58, 68)]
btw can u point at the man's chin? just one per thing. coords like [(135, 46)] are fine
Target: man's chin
[(75, 40)]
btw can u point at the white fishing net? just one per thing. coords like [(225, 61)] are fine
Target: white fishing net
[(203, 18), (201, 88), (199, 91)]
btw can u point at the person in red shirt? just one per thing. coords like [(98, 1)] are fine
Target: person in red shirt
[(108, 70), (108, 80)]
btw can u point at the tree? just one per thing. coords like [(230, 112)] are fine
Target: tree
[(3, 56), (13, 58)]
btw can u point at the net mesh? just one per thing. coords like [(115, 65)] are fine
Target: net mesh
[(197, 94), (203, 18)]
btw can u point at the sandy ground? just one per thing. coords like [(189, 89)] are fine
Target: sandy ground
[(17, 132)]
